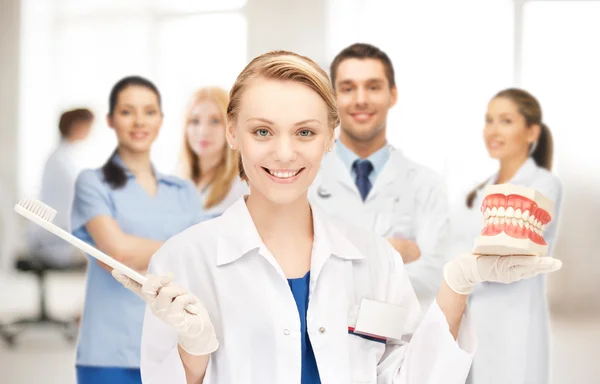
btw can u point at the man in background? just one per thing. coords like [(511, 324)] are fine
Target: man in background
[(371, 184), (57, 190)]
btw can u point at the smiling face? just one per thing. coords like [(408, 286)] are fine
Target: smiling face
[(282, 132), (206, 130), (506, 133), (136, 119), (364, 97)]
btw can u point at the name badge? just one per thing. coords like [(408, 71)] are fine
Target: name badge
[(379, 321)]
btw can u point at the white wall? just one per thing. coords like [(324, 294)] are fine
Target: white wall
[(319, 28), (561, 69), (9, 113), (291, 25)]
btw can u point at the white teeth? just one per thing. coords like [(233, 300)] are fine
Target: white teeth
[(510, 212), (494, 211), (284, 174), (531, 219), (520, 223), (518, 213), (500, 212), (526, 215), (514, 222), (543, 227), (487, 212), (527, 224)]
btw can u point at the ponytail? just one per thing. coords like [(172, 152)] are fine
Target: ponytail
[(544, 150), (114, 174), (473, 193)]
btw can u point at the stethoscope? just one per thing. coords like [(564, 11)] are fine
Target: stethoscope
[(323, 192)]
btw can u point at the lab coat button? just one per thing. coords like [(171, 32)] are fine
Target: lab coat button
[(286, 332), (322, 330)]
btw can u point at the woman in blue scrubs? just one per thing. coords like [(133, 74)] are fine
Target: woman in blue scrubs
[(126, 209)]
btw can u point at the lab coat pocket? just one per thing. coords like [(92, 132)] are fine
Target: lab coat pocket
[(364, 357), (365, 351)]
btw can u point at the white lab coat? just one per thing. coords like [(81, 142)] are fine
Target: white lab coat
[(512, 320), (224, 262), (238, 189), (407, 200)]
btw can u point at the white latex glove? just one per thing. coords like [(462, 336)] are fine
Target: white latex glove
[(179, 309), (462, 273)]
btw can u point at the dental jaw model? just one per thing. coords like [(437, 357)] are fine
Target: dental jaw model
[(515, 218)]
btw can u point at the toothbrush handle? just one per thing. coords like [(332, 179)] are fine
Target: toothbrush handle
[(85, 247)]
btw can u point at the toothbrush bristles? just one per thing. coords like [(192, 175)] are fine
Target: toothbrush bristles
[(38, 208)]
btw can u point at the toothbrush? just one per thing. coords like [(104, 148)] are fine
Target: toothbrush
[(42, 215)]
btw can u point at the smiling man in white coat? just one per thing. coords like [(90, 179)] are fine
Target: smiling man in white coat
[(369, 183)]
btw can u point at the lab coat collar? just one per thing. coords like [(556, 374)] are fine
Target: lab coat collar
[(333, 160), (331, 238), (238, 237), (523, 175), (396, 166)]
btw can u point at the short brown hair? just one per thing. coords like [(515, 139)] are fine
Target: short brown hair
[(363, 51), (285, 66), (69, 118)]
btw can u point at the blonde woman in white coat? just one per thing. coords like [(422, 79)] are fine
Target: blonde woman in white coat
[(512, 320)]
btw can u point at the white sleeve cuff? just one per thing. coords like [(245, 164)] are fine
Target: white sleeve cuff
[(433, 356)]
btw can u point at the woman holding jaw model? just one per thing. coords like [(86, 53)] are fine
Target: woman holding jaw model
[(282, 294)]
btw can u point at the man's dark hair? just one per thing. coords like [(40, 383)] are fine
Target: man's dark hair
[(363, 51)]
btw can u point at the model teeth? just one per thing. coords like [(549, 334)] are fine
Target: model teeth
[(284, 174), (510, 212), (498, 211)]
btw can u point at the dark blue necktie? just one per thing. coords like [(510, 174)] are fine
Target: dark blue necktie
[(363, 169)]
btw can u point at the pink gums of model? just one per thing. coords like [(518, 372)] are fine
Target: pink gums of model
[(515, 218)]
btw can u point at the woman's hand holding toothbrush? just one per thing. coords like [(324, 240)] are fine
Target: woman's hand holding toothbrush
[(179, 309)]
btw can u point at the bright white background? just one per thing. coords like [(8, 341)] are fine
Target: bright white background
[(450, 57), (74, 51)]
